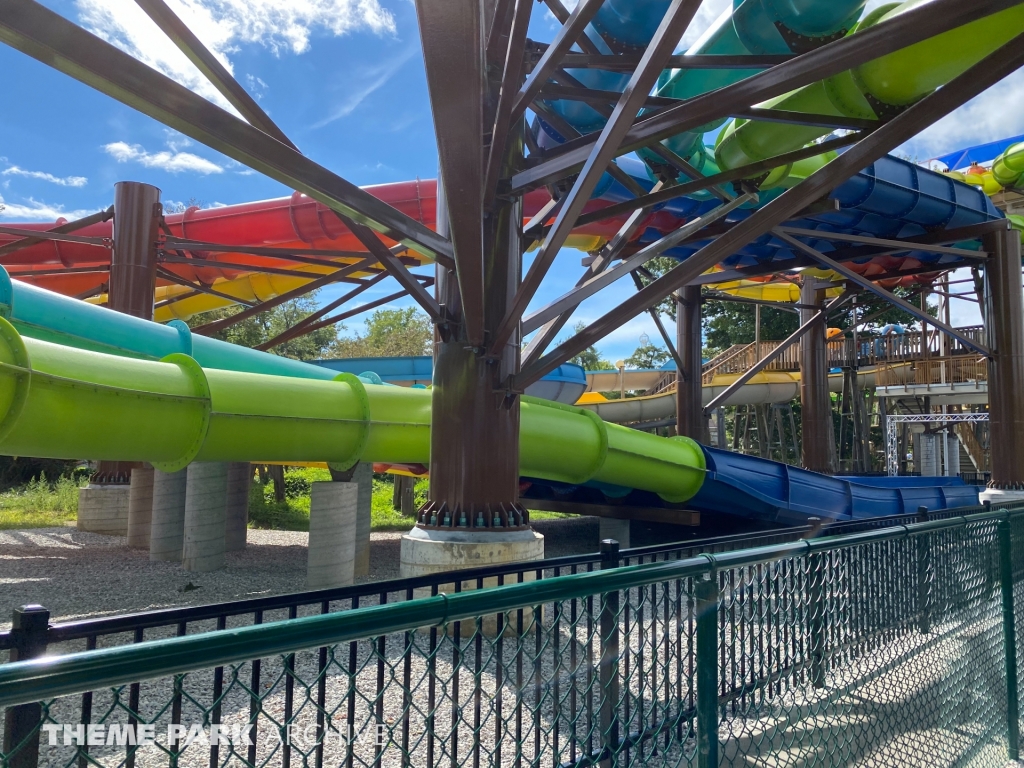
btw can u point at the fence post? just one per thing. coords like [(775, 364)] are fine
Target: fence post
[(924, 576), (609, 669), (1009, 639), (22, 723), (707, 672)]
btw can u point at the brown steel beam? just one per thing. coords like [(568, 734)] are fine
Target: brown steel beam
[(58, 271), (166, 274), (572, 29), (397, 269), (243, 267), (210, 66), (498, 33), (63, 229), (597, 97), (656, 317), (805, 326), (40, 235), (299, 328), (1005, 316), (673, 25), (627, 62), (706, 182), (302, 290), (963, 253), (816, 446), (133, 264), (690, 421), (511, 77), (561, 13), (455, 81), (917, 24), (300, 255), (912, 121), (868, 285), (58, 43), (343, 316)]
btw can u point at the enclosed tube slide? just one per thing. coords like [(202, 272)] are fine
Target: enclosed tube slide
[(61, 402)]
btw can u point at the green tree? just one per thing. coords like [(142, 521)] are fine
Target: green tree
[(648, 356), (590, 359), (260, 328), (389, 333)]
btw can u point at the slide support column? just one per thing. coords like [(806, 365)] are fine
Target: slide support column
[(815, 401), (690, 420), (1005, 327)]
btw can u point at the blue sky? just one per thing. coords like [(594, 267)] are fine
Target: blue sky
[(343, 78)]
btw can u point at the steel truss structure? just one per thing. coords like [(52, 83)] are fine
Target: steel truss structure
[(892, 458), (485, 78)]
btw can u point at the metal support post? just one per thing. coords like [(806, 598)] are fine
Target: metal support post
[(1009, 639), (707, 672), (133, 261), (22, 723), (690, 419), (815, 400), (1006, 365), (925, 576), (609, 669)]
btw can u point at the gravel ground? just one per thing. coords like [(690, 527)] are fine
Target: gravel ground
[(77, 574)]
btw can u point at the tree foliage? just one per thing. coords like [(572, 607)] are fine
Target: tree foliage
[(259, 328), (389, 333), (648, 356)]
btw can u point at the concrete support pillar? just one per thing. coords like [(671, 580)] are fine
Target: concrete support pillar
[(690, 419), (167, 534), (103, 509), (236, 514), (206, 498), (1005, 314), (332, 540), (926, 454), (363, 479), (612, 528), (815, 401), (140, 507), (952, 455)]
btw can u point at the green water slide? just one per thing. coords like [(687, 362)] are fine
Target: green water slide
[(62, 402), (877, 89)]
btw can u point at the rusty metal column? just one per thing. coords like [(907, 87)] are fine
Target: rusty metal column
[(815, 402), (132, 276), (1005, 315), (133, 263), (474, 440), (690, 419)]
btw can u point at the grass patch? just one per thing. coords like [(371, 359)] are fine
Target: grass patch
[(40, 503)]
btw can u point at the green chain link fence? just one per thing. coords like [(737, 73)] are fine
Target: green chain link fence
[(886, 647)]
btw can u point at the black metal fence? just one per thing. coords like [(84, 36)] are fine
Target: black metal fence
[(865, 648)]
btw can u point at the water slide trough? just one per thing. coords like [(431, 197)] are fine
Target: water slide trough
[(161, 395)]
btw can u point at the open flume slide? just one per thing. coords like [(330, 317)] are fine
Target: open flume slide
[(61, 401)]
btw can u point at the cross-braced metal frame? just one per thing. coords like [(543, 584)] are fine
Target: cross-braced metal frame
[(892, 453), (485, 78)]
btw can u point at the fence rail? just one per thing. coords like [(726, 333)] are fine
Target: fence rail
[(859, 648)]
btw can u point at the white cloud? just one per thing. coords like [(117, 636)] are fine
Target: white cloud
[(225, 25), (170, 161), (64, 181), (370, 80), (995, 114), (37, 211)]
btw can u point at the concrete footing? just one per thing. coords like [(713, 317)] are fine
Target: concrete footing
[(332, 541), (610, 528), (140, 507), (167, 532), (205, 507), (431, 551), (103, 509), (236, 515), (363, 476), (998, 497)]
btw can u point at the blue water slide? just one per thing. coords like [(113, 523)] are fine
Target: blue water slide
[(768, 491)]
